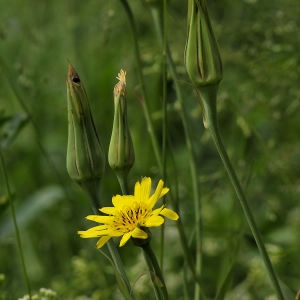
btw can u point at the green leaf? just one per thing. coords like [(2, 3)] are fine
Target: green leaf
[(37, 203), (12, 125)]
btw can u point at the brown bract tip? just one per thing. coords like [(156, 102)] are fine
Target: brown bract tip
[(73, 76)]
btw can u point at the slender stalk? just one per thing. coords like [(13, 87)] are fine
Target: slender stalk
[(210, 94), (194, 173), (164, 87), (126, 287), (123, 181), (119, 266), (144, 101), (182, 235), (164, 113), (161, 162), (158, 282), (191, 156), (13, 213), (157, 292)]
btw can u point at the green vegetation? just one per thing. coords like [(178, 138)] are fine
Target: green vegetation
[(258, 105)]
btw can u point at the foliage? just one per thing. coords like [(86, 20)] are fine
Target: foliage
[(258, 104)]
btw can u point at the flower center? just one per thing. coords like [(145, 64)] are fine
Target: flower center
[(130, 217)]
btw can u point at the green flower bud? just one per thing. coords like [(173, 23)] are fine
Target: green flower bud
[(202, 57), (85, 157), (121, 152)]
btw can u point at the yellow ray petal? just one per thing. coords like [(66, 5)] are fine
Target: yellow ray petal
[(154, 221), (86, 235), (98, 228), (119, 201), (125, 238), (170, 214), (144, 190), (137, 190), (102, 241), (108, 210), (139, 233), (160, 191), (99, 219), (157, 210)]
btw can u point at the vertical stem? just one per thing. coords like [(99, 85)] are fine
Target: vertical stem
[(183, 238), (191, 156), (159, 283), (164, 113), (194, 176), (144, 101), (126, 287), (120, 269), (164, 87), (157, 292), (123, 181), (13, 213), (210, 94)]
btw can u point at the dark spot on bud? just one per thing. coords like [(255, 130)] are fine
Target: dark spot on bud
[(76, 78)]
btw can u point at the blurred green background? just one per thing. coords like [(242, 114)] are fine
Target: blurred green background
[(259, 105)]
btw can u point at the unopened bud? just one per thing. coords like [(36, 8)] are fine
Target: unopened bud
[(202, 57), (121, 152), (85, 157)]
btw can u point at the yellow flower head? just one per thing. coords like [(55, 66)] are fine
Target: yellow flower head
[(130, 214)]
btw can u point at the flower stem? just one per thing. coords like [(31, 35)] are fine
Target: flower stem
[(13, 213), (125, 286), (152, 135), (156, 13), (123, 181), (158, 281), (144, 100), (210, 115)]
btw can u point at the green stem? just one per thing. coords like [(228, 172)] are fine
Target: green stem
[(164, 89), (160, 27), (144, 99), (157, 292), (125, 287), (209, 95), (194, 174), (13, 213), (158, 281), (153, 137), (123, 181), (162, 20)]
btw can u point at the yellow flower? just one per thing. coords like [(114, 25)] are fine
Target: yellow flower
[(130, 214)]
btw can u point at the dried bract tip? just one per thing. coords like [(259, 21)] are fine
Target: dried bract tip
[(120, 87), (73, 75)]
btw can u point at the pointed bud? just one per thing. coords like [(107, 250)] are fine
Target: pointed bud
[(85, 157), (202, 57), (121, 152)]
